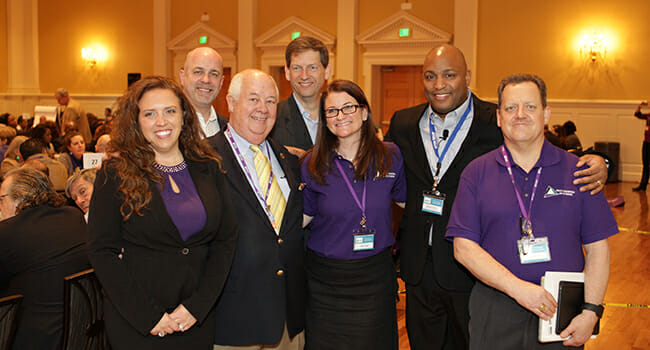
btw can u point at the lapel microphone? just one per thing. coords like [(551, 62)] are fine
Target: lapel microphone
[(445, 134)]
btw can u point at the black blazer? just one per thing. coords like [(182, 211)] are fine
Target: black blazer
[(223, 122), (266, 286), (290, 128), (159, 270), (483, 136), (38, 248)]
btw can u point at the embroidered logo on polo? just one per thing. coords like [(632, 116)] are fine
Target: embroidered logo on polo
[(553, 192)]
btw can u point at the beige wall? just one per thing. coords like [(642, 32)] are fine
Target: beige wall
[(123, 26), (437, 12), (223, 16), (3, 46), (540, 37)]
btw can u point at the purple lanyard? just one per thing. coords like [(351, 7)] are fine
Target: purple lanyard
[(248, 174), (524, 213), (362, 204)]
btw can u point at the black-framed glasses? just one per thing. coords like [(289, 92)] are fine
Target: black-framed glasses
[(346, 110)]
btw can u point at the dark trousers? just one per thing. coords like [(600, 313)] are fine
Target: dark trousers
[(435, 317), (499, 322), (645, 156)]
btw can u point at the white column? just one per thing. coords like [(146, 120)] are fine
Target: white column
[(161, 34), (346, 30), (22, 44), (465, 33), (246, 51)]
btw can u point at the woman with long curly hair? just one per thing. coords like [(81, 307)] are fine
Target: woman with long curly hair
[(351, 180), (162, 235)]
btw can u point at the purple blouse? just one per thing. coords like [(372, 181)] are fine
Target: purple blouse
[(185, 208), (336, 214)]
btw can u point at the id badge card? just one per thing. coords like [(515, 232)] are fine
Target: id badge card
[(433, 202), (364, 239), (533, 250)]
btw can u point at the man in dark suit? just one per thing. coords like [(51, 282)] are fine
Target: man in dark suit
[(438, 139), (202, 77), (307, 69), (263, 303)]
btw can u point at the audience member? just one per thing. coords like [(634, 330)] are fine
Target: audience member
[(43, 133), (38, 165), (102, 143), (263, 303), (552, 137), (571, 142), (161, 226), (307, 68), (556, 222), (9, 120), (351, 179), (202, 77), (70, 110), (438, 139), (22, 125), (6, 135), (645, 150), (42, 242), (79, 187), (12, 159), (69, 127), (34, 149), (75, 147)]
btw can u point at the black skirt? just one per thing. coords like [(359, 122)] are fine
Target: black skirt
[(351, 303)]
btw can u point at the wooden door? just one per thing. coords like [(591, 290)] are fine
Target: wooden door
[(277, 72), (220, 105), (401, 87)]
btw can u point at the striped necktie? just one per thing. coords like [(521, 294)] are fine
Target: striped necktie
[(274, 199)]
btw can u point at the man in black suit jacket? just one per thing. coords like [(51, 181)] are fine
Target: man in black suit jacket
[(263, 302), (437, 286), (202, 77), (307, 69)]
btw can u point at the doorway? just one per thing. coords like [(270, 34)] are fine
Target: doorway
[(220, 104), (401, 87)]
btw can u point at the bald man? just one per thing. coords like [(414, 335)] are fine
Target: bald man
[(438, 139), (263, 301), (202, 78)]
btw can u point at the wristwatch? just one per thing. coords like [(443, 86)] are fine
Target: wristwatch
[(598, 309)]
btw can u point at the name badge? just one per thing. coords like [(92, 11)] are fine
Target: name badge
[(364, 239), (533, 250), (433, 202)]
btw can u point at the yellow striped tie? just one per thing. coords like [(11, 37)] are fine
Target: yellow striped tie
[(275, 200)]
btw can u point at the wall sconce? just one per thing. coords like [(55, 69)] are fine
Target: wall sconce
[(94, 54), (89, 56), (593, 46)]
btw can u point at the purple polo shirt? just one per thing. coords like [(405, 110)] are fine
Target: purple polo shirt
[(486, 211), (336, 213)]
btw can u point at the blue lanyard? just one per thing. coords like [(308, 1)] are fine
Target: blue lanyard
[(432, 129)]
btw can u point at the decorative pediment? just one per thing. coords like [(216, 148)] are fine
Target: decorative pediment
[(189, 39), (280, 35), (387, 33)]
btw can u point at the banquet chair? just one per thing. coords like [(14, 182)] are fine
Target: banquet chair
[(83, 315), (8, 312)]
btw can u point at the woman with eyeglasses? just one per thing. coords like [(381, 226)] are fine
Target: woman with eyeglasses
[(351, 179)]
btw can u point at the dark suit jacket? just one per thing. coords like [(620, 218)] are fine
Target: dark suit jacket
[(266, 286), (223, 122), (38, 248), (483, 136), (290, 128), (159, 270)]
